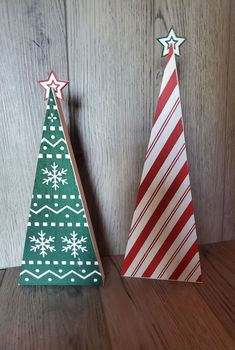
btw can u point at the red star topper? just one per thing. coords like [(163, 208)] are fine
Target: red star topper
[(54, 83)]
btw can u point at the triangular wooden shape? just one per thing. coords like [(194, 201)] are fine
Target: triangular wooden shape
[(162, 243), (60, 246)]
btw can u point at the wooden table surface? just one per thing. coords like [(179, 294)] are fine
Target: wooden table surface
[(125, 313)]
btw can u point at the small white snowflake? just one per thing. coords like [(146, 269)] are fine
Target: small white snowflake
[(74, 244), (54, 176), (42, 243), (52, 118)]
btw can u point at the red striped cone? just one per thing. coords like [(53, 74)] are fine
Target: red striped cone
[(162, 242)]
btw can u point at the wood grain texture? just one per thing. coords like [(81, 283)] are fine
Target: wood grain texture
[(32, 41), (43, 318), (107, 49), (125, 313), (167, 315), (229, 188), (219, 262), (110, 67)]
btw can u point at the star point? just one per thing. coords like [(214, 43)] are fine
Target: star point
[(54, 83), (171, 40)]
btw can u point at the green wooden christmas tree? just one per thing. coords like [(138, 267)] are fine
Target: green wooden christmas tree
[(60, 247)]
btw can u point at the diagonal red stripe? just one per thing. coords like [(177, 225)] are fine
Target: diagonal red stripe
[(166, 93), (162, 229), (169, 240), (167, 119), (159, 161), (135, 224), (177, 251), (192, 271), (199, 279), (155, 217), (185, 261)]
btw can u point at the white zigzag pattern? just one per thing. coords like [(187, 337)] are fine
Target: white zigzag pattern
[(52, 144), (60, 277), (56, 211)]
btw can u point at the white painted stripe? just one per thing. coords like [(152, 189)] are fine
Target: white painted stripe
[(56, 262), (170, 67), (45, 140), (195, 275), (161, 141), (165, 233), (56, 211), (190, 223), (180, 256), (158, 227), (189, 267), (57, 156), (164, 113), (162, 191), (163, 217), (158, 178), (59, 276)]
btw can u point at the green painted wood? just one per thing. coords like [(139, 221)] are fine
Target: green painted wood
[(59, 246)]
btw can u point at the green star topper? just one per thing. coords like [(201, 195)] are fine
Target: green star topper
[(171, 39)]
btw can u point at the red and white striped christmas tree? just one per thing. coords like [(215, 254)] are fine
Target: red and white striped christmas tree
[(162, 242)]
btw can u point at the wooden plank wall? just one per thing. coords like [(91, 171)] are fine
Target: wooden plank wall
[(107, 49)]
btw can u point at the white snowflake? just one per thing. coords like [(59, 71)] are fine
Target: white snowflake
[(52, 118), (42, 243), (74, 244), (55, 176)]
